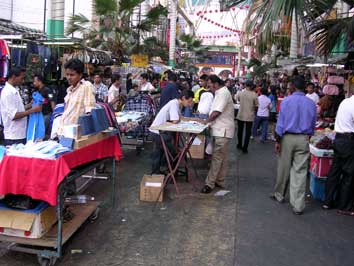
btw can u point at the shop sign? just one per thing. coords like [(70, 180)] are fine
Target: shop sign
[(139, 60)]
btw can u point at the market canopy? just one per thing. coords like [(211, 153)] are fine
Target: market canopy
[(10, 28)]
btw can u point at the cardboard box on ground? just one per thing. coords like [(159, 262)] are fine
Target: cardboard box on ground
[(28, 224), (197, 150), (150, 188)]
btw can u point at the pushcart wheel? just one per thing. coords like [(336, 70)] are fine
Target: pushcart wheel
[(94, 216), (46, 261)]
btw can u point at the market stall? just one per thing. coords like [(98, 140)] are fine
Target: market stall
[(321, 150), (49, 181)]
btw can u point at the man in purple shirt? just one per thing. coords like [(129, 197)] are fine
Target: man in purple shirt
[(297, 119)]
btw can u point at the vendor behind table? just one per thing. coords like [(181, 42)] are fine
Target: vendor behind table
[(80, 98)]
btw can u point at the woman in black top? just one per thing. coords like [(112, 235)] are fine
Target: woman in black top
[(129, 83)]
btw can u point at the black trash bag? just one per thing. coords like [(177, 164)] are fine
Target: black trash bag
[(21, 202)]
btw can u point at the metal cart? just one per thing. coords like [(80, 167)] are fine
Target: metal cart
[(49, 248)]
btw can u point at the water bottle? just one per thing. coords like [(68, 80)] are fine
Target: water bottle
[(80, 199)]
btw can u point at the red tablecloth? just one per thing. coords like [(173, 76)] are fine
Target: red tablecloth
[(40, 178)]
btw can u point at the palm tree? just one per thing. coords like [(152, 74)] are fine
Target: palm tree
[(265, 15), (113, 30), (192, 51), (327, 33)]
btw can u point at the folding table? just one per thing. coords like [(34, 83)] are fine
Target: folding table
[(189, 128)]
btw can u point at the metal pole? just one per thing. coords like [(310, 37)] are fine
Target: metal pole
[(173, 18), (72, 35), (45, 14)]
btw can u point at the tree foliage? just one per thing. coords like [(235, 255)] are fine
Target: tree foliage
[(113, 30)]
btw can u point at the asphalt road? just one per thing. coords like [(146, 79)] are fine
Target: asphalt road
[(242, 228)]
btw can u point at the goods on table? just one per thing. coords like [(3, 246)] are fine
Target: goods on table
[(321, 149)]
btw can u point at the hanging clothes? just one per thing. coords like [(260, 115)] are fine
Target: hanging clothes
[(4, 59), (35, 127)]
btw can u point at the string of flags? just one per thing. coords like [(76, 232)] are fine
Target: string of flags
[(202, 15), (216, 36)]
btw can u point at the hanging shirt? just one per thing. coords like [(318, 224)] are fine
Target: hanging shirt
[(78, 101), (36, 127), (10, 104)]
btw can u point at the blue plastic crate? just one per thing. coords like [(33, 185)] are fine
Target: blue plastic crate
[(318, 187)]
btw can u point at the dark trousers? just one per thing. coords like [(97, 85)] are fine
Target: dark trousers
[(158, 154), (263, 121), (241, 126), (340, 181), (9, 142)]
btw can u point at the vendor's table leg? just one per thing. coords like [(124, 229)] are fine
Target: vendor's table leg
[(172, 172), (114, 189), (60, 204)]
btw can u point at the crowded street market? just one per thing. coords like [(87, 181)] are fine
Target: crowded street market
[(167, 132)]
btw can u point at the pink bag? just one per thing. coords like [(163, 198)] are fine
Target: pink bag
[(335, 80), (330, 90)]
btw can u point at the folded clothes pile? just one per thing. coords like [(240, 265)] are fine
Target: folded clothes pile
[(43, 150)]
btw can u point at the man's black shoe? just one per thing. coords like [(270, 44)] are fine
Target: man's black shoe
[(206, 190), (245, 151), (218, 186), (239, 147)]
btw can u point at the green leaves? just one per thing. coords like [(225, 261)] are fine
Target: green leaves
[(152, 18), (106, 7), (327, 33)]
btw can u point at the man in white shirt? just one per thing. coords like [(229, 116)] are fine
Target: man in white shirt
[(171, 112), (13, 112), (101, 90), (222, 125), (145, 85), (114, 91), (205, 102), (311, 93), (341, 175), (262, 117)]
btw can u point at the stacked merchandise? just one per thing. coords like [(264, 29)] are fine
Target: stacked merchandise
[(131, 122), (321, 149)]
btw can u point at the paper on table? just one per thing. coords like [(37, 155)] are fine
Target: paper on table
[(153, 184)]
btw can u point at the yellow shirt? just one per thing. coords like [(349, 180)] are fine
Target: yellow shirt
[(197, 95), (78, 101)]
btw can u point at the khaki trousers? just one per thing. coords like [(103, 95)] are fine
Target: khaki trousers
[(293, 164), (218, 168)]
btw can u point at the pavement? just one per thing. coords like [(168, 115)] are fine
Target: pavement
[(242, 228)]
